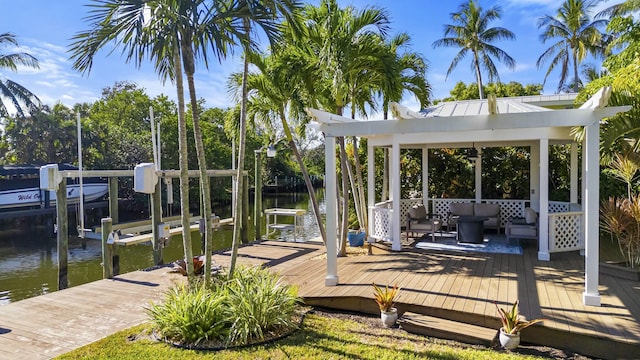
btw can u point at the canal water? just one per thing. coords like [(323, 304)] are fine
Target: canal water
[(29, 259)]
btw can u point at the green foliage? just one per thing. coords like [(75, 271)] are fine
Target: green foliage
[(191, 314), (239, 310), (462, 91), (511, 321), (621, 218)]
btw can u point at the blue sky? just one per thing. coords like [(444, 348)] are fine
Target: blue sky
[(44, 29)]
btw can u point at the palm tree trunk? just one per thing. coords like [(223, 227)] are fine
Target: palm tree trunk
[(478, 75), (354, 191), (342, 248), (184, 168), (241, 150), (576, 81), (205, 189), (360, 181), (307, 179)]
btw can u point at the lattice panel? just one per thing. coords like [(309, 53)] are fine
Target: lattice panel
[(558, 207), (381, 224), (441, 206), (566, 231), (508, 209)]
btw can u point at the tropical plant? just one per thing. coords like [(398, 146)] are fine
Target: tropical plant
[(17, 95), (277, 96), (267, 15), (341, 44), (471, 33), (620, 217), (511, 321), (577, 36), (237, 310), (385, 297)]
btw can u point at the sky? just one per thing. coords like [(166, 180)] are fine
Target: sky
[(44, 29)]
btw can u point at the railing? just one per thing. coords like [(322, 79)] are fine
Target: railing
[(508, 208), (380, 222), (566, 231)]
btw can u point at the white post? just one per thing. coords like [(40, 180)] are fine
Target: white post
[(81, 199), (425, 178), (394, 195), (573, 175), (233, 178), (332, 210), (534, 177), (591, 215), (543, 222), (371, 196), (478, 178)]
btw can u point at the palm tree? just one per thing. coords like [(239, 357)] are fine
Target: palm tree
[(471, 33), (266, 14), (17, 95), (173, 34), (338, 46), (578, 35), (278, 94)]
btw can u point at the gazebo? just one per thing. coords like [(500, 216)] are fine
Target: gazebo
[(520, 121)]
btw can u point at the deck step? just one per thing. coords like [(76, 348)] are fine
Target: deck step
[(447, 329)]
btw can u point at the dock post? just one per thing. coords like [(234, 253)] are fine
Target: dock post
[(107, 248), (63, 236), (257, 197), (244, 230), (113, 199), (156, 220)]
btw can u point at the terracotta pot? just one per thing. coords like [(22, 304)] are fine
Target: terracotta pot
[(389, 318), (509, 341)]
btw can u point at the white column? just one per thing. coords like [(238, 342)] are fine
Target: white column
[(332, 211), (425, 178), (394, 195), (573, 175), (371, 196), (478, 177), (534, 177), (591, 214), (543, 221)]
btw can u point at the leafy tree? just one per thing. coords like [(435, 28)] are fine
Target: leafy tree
[(16, 95), (471, 33), (577, 36), (462, 91)]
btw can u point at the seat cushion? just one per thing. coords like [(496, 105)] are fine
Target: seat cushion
[(530, 216), (461, 209), (418, 212), (490, 210)]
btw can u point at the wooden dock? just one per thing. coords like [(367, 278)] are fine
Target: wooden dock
[(454, 286)]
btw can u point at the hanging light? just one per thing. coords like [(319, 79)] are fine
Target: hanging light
[(473, 153), (271, 151)]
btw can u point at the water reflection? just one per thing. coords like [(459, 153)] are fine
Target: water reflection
[(29, 259)]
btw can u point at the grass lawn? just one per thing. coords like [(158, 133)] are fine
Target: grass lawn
[(323, 336)]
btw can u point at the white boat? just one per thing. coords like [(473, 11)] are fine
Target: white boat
[(20, 188)]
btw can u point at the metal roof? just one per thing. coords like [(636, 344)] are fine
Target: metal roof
[(479, 107)]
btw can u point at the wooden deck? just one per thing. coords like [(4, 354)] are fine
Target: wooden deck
[(448, 285)]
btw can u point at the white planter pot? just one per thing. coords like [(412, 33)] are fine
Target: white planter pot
[(509, 341), (389, 318)]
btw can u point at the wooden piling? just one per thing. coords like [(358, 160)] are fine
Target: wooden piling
[(113, 199), (156, 220), (107, 249), (63, 236)]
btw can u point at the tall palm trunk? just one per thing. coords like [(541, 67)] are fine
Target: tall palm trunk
[(184, 167), (241, 150), (576, 88), (307, 179), (363, 203), (205, 189), (478, 75), (342, 246)]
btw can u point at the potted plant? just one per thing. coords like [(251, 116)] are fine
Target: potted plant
[(512, 325), (385, 298)]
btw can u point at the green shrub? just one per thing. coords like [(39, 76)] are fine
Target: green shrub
[(259, 303), (241, 310), (190, 314)]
